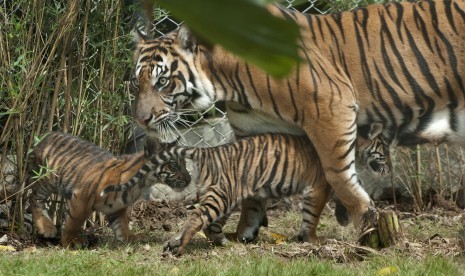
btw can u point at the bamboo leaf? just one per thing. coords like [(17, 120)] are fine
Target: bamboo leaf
[(9, 112), (7, 248), (243, 27)]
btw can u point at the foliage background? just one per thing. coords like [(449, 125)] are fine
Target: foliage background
[(64, 65)]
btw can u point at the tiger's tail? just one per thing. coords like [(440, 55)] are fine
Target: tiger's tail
[(155, 160), (131, 183)]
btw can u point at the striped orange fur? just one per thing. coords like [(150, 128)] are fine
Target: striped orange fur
[(79, 171)]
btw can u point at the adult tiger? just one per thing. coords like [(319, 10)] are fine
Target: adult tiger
[(399, 64)]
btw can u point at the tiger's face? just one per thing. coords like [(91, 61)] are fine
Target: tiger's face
[(376, 157), (165, 80), (174, 174), (373, 149)]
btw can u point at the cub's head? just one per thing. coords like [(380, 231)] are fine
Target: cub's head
[(170, 171), (167, 76), (373, 149)]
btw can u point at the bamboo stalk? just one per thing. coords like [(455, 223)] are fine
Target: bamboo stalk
[(19, 147), (100, 114), (418, 199), (55, 92), (439, 164), (462, 176), (4, 154), (81, 64), (67, 97), (389, 229), (449, 175)]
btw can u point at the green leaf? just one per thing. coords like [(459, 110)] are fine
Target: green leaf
[(44, 171), (9, 112), (243, 27), (19, 59)]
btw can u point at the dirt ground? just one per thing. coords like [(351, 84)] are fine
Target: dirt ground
[(439, 230)]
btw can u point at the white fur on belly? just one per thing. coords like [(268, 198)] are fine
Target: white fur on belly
[(255, 122)]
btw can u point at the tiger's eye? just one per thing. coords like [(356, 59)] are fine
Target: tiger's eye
[(174, 166), (162, 80)]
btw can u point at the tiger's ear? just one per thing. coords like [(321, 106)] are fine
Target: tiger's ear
[(139, 37), (186, 38), (375, 130), (172, 144), (152, 146)]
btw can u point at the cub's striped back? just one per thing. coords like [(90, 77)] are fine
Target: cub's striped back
[(258, 167), (262, 166)]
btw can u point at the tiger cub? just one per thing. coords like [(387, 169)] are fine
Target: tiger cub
[(373, 150), (262, 166), (372, 153), (79, 171)]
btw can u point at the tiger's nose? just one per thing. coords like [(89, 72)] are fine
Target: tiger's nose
[(145, 120)]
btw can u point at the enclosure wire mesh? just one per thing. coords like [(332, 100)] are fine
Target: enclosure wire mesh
[(205, 132), (208, 131)]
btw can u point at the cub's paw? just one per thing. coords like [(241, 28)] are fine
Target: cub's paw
[(220, 241), (46, 228), (137, 238), (173, 246), (305, 236), (76, 243)]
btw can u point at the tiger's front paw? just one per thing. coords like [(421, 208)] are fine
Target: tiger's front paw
[(137, 238), (75, 243), (46, 228), (308, 236), (220, 241), (174, 246)]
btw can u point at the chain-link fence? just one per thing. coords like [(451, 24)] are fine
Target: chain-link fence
[(211, 127), (64, 65), (440, 167)]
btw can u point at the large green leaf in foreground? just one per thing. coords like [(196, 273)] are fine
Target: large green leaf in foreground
[(243, 27)]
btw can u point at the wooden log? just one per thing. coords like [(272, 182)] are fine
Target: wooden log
[(388, 229), (380, 229), (369, 235)]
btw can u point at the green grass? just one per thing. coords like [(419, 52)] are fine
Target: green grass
[(134, 260), (263, 258)]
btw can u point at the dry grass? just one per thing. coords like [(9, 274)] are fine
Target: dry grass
[(56, 56), (432, 246)]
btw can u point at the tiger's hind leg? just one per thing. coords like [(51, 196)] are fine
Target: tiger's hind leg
[(42, 221), (253, 216), (341, 213), (76, 214), (214, 231), (314, 200), (211, 209), (119, 223)]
